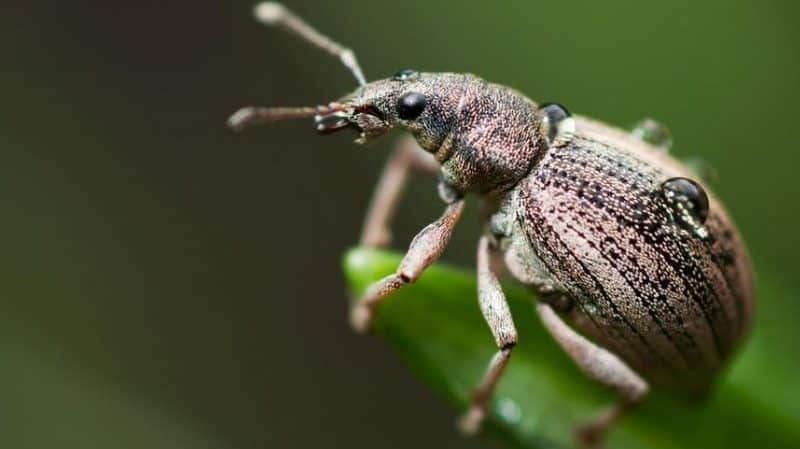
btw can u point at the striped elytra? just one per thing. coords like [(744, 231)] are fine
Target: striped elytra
[(671, 304)]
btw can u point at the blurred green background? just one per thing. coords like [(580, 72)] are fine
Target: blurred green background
[(169, 284)]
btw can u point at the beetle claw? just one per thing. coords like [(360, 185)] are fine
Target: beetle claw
[(590, 437), (361, 318), (470, 423)]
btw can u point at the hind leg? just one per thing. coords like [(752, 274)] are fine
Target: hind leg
[(603, 367)]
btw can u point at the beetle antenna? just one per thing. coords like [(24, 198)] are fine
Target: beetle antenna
[(251, 116), (275, 14)]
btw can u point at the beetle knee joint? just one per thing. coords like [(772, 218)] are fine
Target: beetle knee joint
[(406, 277), (509, 345)]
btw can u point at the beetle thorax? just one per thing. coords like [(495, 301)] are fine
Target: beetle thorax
[(486, 136), (495, 140)]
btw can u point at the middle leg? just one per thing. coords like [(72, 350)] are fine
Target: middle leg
[(498, 316)]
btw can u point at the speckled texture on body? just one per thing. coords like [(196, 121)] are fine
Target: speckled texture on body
[(485, 135), (593, 216), (583, 216), (642, 276), (672, 305)]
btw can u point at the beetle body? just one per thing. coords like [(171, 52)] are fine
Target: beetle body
[(641, 274), (671, 300), (592, 216)]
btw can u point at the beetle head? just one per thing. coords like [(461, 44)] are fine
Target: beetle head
[(418, 102), (485, 136), (421, 103)]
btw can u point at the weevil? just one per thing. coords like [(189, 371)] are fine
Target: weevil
[(641, 276)]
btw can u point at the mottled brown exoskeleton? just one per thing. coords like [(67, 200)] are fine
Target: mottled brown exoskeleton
[(642, 277)]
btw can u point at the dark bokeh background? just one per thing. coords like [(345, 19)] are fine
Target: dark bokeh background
[(169, 284)]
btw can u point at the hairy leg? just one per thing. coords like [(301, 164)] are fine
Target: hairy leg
[(498, 316), (424, 250), (600, 365)]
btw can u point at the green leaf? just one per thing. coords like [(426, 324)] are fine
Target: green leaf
[(437, 329)]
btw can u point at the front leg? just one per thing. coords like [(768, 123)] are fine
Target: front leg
[(600, 365), (424, 250)]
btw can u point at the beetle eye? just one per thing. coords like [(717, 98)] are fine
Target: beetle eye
[(411, 105), (405, 75)]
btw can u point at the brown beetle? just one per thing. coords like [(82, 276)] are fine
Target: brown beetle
[(642, 277)]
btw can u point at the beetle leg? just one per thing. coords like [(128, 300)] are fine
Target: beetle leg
[(426, 247), (497, 314), (407, 158), (600, 365)]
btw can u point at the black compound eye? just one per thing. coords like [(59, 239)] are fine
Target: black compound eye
[(405, 75), (411, 105)]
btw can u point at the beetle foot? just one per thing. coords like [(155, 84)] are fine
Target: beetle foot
[(590, 436), (470, 423), (361, 317)]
